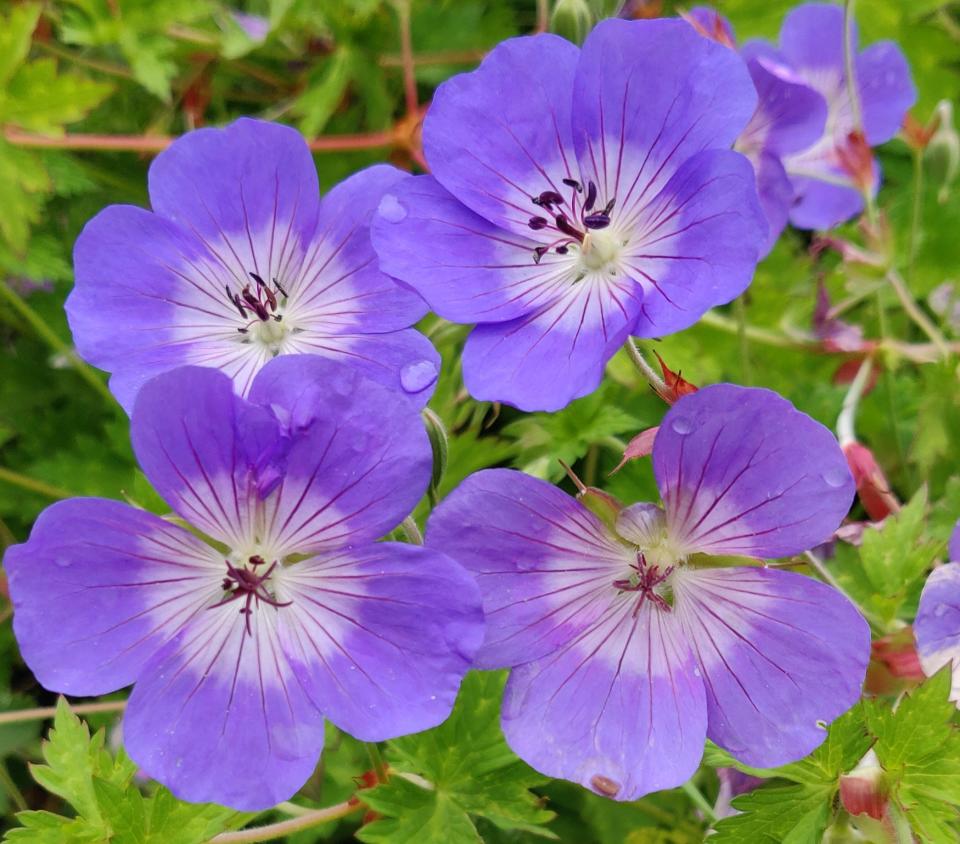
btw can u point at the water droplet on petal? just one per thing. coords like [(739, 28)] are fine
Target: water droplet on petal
[(681, 425), (836, 477), (391, 209), (64, 562), (416, 377), (939, 610)]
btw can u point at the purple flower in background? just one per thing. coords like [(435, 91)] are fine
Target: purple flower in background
[(627, 647), (937, 626), (578, 197), (811, 45), (790, 117), (239, 262), (240, 644)]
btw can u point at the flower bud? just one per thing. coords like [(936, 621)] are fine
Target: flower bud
[(872, 485), (437, 433), (864, 791), (572, 19), (943, 151), (856, 160)]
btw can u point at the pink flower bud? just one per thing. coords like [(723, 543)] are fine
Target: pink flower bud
[(864, 790), (872, 485)]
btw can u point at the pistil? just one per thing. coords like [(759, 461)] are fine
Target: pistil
[(644, 579), (243, 582)]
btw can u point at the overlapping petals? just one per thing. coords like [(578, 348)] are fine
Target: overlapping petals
[(812, 45), (287, 610), (624, 146), (230, 206), (626, 653)]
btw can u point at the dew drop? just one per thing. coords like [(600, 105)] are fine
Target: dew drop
[(836, 477), (416, 377), (940, 610), (681, 425), (64, 562), (391, 209)]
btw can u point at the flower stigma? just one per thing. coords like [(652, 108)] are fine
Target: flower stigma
[(248, 582)]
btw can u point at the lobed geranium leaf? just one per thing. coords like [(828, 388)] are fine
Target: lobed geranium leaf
[(482, 778), (789, 814), (918, 747), (897, 554), (16, 30)]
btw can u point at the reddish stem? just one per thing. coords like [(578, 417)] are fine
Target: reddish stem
[(406, 59), (158, 143)]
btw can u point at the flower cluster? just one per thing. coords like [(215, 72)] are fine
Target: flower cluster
[(810, 137), (261, 339)]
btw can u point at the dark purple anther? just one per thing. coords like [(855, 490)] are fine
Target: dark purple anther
[(609, 206), (596, 221), (280, 290), (548, 198), (591, 196), (564, 225), (573, 183), (236, 302), (562, 250), (537, 223), (538, 253)]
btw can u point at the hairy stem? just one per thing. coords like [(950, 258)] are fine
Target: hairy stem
[(643, 367), (406, 58), (376, 761), (271, 832), (411, 531), (846, 427), (746, 372)]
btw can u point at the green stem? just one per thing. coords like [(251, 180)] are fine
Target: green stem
[(33, 485), (740, 307), (644, 368), (698, 800), (892, 415), (49, 336), (9, 786), (376, 761), (916, 213), (915, 313), (757, 335), (271, 832), (411, 531)]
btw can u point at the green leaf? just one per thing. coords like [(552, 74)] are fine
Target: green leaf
[(41, 100), (23, 184), (789, 814), (799, 812), (919, 748), (895, 555), (325, 88), (16, 30), (481, 778)]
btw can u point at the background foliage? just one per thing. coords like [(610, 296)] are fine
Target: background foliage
[(90, 88)]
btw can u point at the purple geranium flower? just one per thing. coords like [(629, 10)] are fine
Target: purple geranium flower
[(790, 117), (937, 626), (628, 646), (241, 261), (578, 197), (811, 44), (277, 607)]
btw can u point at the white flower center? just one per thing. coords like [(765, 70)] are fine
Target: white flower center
[(601, 251)]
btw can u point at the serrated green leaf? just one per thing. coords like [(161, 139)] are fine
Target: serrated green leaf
[(895, 555), (72, 758), (791, 814), (483, 778), (23, 184), (40, 99), (918, 747), (16, 30)]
